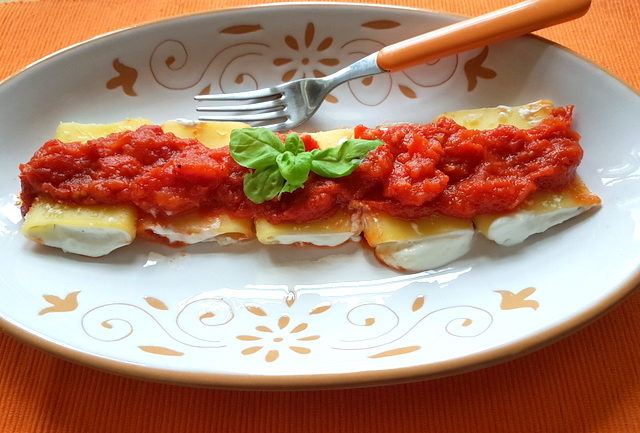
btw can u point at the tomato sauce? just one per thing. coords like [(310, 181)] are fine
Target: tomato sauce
[(440, 168), (447, 169)]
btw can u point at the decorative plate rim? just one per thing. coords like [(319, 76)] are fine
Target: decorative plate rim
[(326, 380), (304, 4)]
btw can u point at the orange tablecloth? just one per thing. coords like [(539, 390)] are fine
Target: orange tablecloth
[(589, 382)]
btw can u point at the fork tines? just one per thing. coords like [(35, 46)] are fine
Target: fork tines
[(257, 106)]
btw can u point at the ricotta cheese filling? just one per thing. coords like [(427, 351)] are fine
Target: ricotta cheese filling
[(207, 234), (426, 253), (86, 241), (319, 239), (514, 228), (331, 232)]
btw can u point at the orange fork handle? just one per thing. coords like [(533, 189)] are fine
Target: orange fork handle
[(496, 26)]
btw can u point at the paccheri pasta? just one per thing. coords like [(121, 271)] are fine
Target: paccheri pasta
[(417, 193)]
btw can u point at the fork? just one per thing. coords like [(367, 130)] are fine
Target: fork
[(287, 105)]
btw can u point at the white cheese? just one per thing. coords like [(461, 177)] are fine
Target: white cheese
[(514, 228), (207, 234), (329, 232), (427, 252), (87, 241), (319, 239), (185, 122)]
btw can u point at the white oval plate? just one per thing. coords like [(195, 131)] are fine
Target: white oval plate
[(256, 316)]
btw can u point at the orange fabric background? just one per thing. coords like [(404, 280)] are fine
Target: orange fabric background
[(589, 382)]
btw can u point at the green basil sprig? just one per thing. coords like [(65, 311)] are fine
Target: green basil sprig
[(341, 160), (284, 167)]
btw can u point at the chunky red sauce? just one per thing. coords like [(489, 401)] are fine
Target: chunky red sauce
[(439, 168)]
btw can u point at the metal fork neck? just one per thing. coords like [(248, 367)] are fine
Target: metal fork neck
[(364, 67)]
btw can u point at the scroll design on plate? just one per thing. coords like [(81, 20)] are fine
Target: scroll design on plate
[(118, 321), (462, 321), (309, 52), (202, 319), (173, 68), (304, 325), (408, 82), (380, 318)]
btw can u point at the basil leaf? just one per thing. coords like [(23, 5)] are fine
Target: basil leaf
[(284, 167), (255, 147), (293, 143), (294, 168), (288, 188), (341, 160), (263, 184)]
